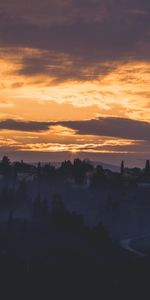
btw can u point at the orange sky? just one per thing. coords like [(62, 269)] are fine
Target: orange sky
[(122, 93), (78, 78)]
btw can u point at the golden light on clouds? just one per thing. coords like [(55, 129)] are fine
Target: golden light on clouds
[(62, 140), (121, 92), (124, 91)]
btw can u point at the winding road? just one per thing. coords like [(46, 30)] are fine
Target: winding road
[(126, 244)]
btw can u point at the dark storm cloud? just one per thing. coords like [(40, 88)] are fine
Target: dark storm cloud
[(110, 127), (88, 31), (30, 126), (109, 40)]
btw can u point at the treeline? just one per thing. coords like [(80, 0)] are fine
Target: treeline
[(79, 171), (56, 256)]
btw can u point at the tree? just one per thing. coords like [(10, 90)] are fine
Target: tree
[(66, 168), (99, 177), (101, 237), (37, 206), (147, 170), (39, 170), (79, 171), (147, 167), (48, 171), (5, 166), (22, 191), (22, 167), (57, 205), (88, 167), (122, 168), (39, 177)]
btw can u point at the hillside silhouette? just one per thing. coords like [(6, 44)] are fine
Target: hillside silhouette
[(60, 229)]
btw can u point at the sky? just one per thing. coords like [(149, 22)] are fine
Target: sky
[(74, 80)]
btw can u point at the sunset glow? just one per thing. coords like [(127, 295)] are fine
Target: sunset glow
[(60, 82)]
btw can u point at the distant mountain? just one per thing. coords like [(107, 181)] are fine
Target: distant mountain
[(106, 166)]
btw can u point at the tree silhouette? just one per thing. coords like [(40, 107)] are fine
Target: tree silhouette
[(48, 171), (5, 166), (122, 168), (57, 205), (37, 206), (99, 177), (147, 169), (79, 171), (66, 168), (23, 167), (101, 237), (39, 170)]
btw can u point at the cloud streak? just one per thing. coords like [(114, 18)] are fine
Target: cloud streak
[(26, 126), (110, 127)]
